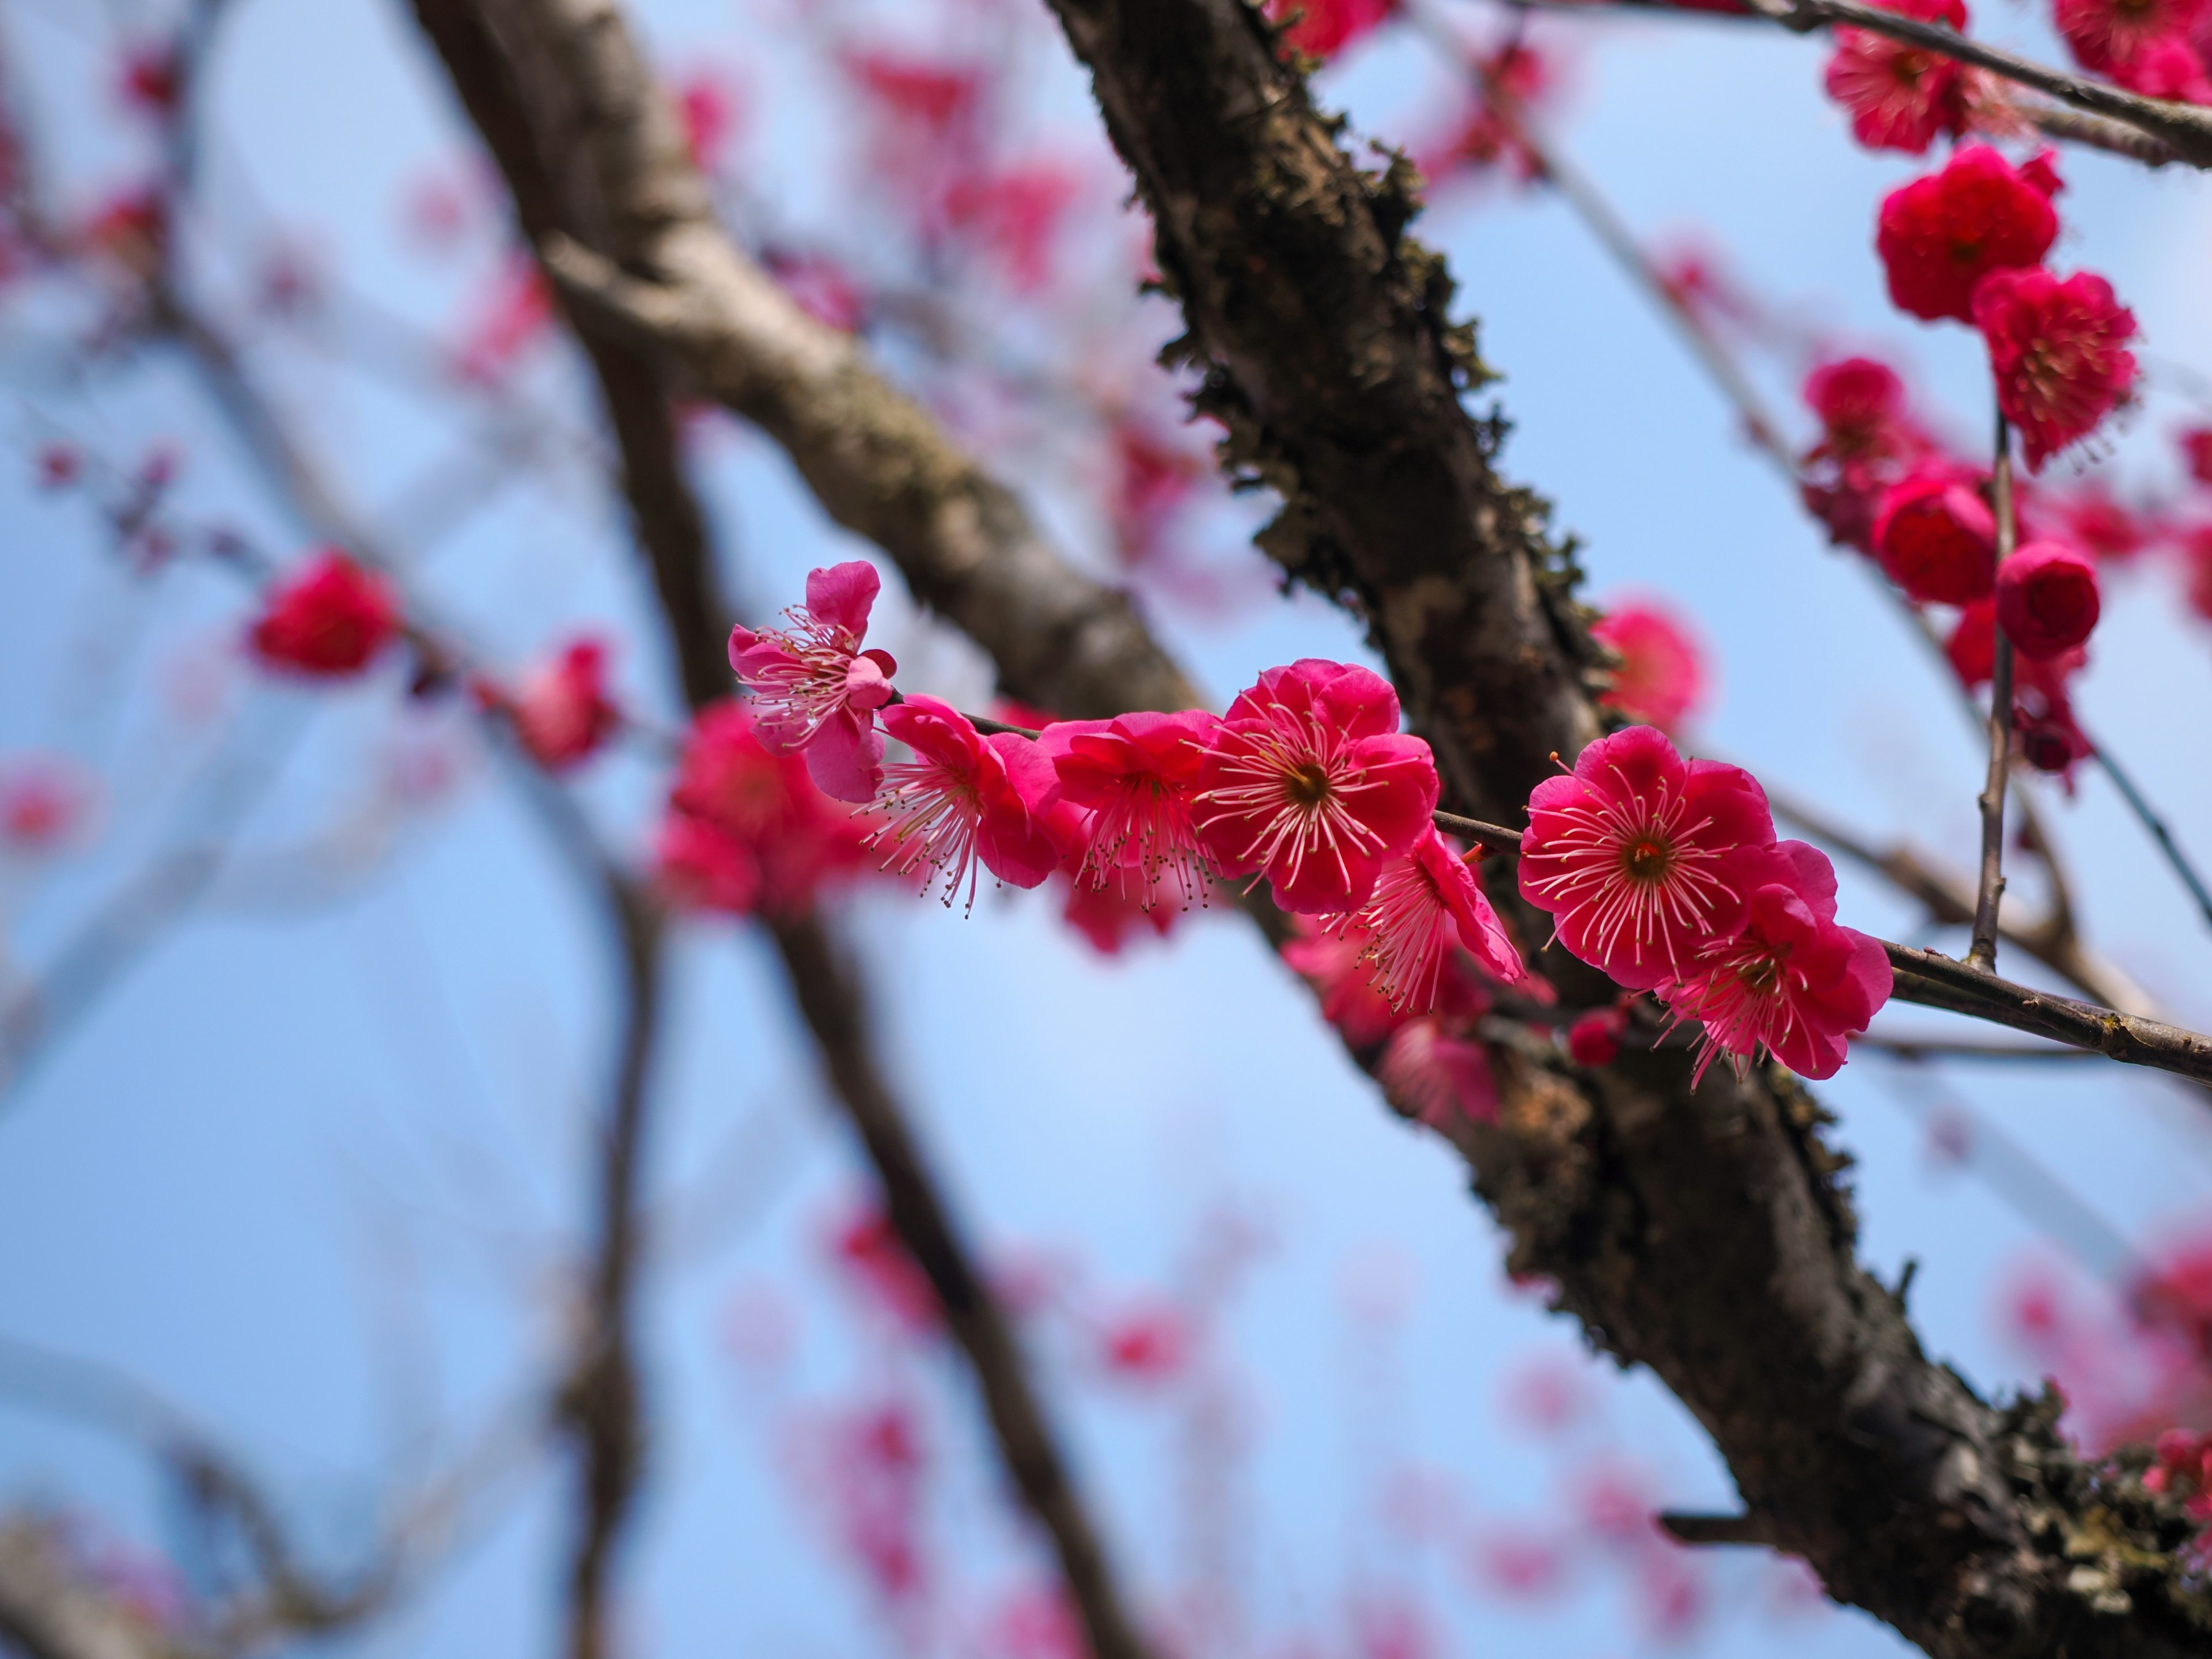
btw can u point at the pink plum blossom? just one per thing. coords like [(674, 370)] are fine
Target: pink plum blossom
[(1644, 858), (815, 690), (1311, 783), (964, 799)]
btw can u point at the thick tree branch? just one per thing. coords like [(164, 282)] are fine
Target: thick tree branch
[(1700, 1232), (564, 103)]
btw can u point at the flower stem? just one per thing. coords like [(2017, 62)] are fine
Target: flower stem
[(1984, 953)]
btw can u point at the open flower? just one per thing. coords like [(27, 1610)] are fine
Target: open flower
[(964, 799), (1333, 961), (2059, 350), (1934, 538), (1661, 678), (2111, 36), (1940, 235), (1792, 982), (328, 619), (1311, 783), (815, 690), (1901, 96), (1644, 859), (2047, 599), (1436, 1075), (1134, 780), (562, 714), (1425, 900)]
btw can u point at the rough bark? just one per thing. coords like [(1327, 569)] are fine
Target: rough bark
[(585, 142), (1703, 1232)]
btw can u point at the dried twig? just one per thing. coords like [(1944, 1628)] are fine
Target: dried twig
[(1990, 888)]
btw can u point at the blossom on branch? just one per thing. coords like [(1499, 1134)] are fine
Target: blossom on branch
[(1644, 858), (1661, 678), (815, 690), (1901, 96), (1792, 982), (329, 619), (1940, 235), (2111, 36), (561, 713), (1934, 536), (964, 799), (2047, 599), (1311, 783), (1134, 780), (1425, 900), (1321, 28), (1868, 441), (2059, 351)]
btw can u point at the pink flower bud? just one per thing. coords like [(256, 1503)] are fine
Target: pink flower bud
[(1935, 539), (2047, 599)]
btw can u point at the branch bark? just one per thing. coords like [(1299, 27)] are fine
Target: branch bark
[(1701, 1231), (589, 151)]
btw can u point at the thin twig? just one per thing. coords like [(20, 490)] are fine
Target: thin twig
[(2151, 821), (1946, 1049), (1935, 980), (1990, 890)]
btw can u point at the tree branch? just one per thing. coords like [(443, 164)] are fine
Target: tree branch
[(1665, 1214), (562, 96)]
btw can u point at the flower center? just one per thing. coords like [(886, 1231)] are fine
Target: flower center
[(1761, 975), (1649, 858), (1306, 784)]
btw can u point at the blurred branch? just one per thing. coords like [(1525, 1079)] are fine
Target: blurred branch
[(2048, 938), (50, 1609), (597, 112)]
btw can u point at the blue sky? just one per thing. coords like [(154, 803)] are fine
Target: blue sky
[(312, 1164)]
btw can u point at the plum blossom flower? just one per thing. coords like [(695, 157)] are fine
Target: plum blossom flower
[(1135, 779), (1792, 982), (48, 802), (1644, 858), (2195, 444), (1426, 900), (2059, 350), (1661, 678), (965, 799), (1437, 1074), (2110, 35), (1868, 442), (1940, 235), (328, 619), (1334, 963), (747, 830), (815, 690), (1311, 783), (1901, 96), (1595, 1039), (2047, 599), (1325, 27), (561, 713), (1934, 538)]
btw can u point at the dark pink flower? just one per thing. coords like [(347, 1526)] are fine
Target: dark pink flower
[(1940, 235), (965, 799), (562, 714), (514, 312), (1868, 442), (330, 618), (1311, 783), (1934, 538), (2108, 35), (2059, 350), (2196, 453), (1792, 982), (1595, 1039), (1335, 964), (1901, 96), (709, 106), (1425, 902), (815, 690), (1324, 27), (2113, 531), (1436, 1075), (2047, 599), (867, 1250), (1015, 215), (60, 465), (1107, 917), (748, 830), (1147, 1345), (1661, 678), (46, 802), (1135, 779), (1644, 859), (2166, 67)]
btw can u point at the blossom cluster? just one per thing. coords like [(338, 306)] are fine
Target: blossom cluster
[(1664, 873)]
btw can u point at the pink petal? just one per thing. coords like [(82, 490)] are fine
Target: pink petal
[(843, 594), (845, 759)]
